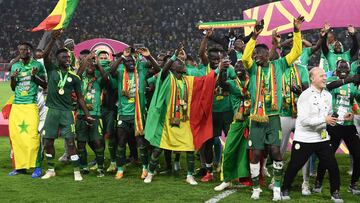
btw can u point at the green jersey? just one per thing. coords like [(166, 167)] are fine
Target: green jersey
[(296, 74), (305, 56), (26, 89), (343, 99), (109, 92), (354, 67), (91, 90), (60, 98), (333, 58), (126, 103), (193, 71), (280, 65)]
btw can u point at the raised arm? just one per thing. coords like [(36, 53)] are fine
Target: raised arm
[(324, 33), (54, 36), (85, 63), (318, 44), (275, 45), (115, 65), (250, 46), (355, 44), (297, 42), (146, 53), (203, 45), (168, 64), (340, 82)]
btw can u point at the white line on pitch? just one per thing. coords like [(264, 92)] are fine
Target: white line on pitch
[(220, 196)]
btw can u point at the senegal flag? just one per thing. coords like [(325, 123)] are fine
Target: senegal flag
[(60, 17), (235, 162), (184, 129), (24, 136)]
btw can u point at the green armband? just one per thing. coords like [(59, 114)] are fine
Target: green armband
[(173, 58)]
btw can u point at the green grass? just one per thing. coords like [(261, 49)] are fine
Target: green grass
[(5, 92), (164, 188)]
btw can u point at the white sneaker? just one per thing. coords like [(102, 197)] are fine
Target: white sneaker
[(77, 176), (276, 194), (256, 193), (49, 174), (190, 179), (64, 158), (177, 166), (148, 178), (222, 186), (305, 189)]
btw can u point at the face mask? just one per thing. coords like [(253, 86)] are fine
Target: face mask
[(104, 62)]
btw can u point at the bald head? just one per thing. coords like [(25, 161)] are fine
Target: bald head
[(318, 78)]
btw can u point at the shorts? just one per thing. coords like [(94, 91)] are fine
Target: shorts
[(262, 134), (85, 132), (127, 123), (59, 122), (222, 122)]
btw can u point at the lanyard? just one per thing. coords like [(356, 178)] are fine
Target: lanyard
[(62, 80)]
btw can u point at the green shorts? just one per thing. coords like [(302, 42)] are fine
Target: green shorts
[(59, 122), (127, 123), (262, 134), (85, 132), (221, 122)]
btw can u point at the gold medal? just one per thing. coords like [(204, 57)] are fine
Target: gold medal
[(343, 92), (23, 74), (69, 79), (267, 97), (288, 100), (339, 58), (219, 97), (24, 93), (131, 100), (61, 91), (88, 95)]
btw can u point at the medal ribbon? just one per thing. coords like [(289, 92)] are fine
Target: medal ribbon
[(62, 80)]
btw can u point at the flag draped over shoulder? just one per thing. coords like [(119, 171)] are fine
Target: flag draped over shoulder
[(24, 136), (60, 17), (190, 134)]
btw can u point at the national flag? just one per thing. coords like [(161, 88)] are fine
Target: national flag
[(235, 162), (60, 17), (189, 135), (226, 24), (24, 136), (7, 107)]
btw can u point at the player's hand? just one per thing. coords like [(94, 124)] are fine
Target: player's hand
[(127, 52), (56, 34), (179, 49), (34, 71), (182, 55), (275, 38), (144, 51), (330, 120), (209, 33), (296, 89), (259, 26), (15, 74), (298, 22), (351, 29), (326, 27), (322, 32), (348, 117)]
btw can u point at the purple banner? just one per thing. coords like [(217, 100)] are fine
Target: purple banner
[(110, 45), (339, 13)]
